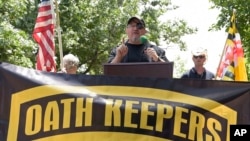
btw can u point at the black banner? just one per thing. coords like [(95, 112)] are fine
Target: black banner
[(45, 106)]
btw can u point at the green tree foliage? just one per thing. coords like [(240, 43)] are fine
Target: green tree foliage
[(89, 28), (242, 8), (15, 44), (179, 67)]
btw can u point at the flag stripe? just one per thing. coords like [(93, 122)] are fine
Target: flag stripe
[(45, 47), (42, 29), (46, 7), (44, 21)]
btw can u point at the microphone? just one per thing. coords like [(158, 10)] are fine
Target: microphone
[(144, 40)]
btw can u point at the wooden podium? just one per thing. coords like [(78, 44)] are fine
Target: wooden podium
[(156, 69)]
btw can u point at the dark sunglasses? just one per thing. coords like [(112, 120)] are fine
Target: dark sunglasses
[(139, 26), (200, 56)]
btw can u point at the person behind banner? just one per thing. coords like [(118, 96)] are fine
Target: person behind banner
[(133, 50), (70, 64), (199, 57)]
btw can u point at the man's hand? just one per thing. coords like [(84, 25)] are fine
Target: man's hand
[(121, 51), (152, 54)]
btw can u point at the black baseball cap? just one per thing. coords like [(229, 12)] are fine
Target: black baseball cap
[(140, 24)]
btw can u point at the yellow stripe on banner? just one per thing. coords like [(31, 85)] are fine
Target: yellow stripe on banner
[(102, 136)]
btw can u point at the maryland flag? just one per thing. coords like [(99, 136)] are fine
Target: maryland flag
[(232, 65)]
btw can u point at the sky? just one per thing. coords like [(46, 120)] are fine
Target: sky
[(198, 14)]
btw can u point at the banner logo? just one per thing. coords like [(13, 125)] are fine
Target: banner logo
[(62, 112)]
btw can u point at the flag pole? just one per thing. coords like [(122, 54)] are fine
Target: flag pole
[(58, 28)]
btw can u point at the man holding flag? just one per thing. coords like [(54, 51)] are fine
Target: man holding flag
[(43, 34), (232, 65)]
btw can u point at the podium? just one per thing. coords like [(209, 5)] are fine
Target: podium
[(155, 69)]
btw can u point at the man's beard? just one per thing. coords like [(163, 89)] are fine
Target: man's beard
[(136, 39)]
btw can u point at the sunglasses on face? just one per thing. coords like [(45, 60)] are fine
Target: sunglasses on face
[(137, 25), (200, 56)]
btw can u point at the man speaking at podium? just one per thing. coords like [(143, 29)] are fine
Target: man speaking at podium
[(137, 48)]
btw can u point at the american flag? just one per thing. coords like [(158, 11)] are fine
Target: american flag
[(43, 34)]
